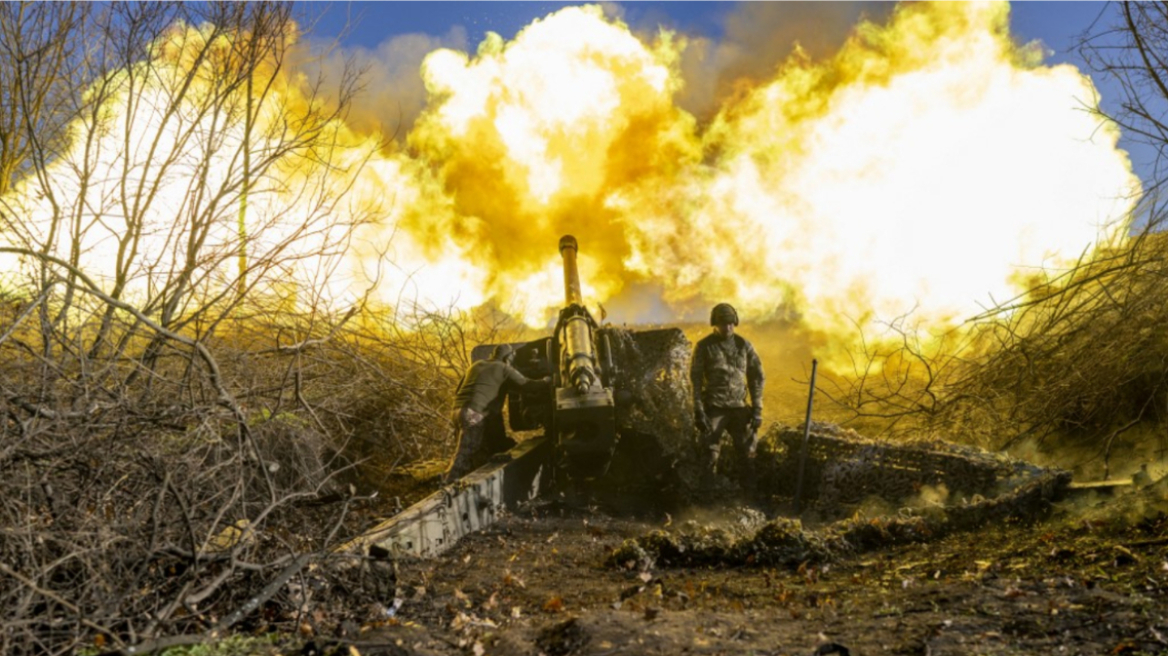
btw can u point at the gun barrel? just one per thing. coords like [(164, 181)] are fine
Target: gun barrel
[(578, 356), (568, 250)]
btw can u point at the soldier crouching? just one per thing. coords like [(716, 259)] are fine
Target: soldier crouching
[(478, 395)]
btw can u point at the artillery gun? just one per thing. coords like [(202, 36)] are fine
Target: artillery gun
[(580, 416), (617, 421)]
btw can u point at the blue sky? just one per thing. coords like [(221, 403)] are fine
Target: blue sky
[(370, 23)]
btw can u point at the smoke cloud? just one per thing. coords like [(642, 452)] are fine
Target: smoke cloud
[(392, 93), (916, 161), (757, 39), (840, 164)]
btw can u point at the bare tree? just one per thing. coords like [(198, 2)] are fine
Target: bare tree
[(41, 49), (897, 382), (174, 382), (1129, 46)]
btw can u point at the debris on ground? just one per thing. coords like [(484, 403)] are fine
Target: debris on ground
[(1092, 580)]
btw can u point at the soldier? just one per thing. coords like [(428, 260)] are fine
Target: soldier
[(474, 400), (724, 368)]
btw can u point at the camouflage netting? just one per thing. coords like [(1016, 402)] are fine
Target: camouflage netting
[(653, 384), (1019, 491), (843, 470), (655, 407)]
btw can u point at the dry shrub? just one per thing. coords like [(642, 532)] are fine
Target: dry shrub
[(150, 502), (1077, 362)]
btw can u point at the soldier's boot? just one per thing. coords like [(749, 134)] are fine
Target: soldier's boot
[(460, 465), (749, 480)]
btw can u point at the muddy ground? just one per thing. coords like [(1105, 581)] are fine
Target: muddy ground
[(1091, 578)]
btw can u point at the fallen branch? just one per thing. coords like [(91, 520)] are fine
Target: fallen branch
[(158, 644)]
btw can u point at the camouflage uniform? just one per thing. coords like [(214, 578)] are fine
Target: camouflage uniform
[(724, 369), (468, 438), (477, 401)]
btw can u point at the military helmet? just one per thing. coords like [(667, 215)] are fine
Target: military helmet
[(501, 352), (723, 313)]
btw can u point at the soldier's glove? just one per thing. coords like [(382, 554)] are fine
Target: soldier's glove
[(756, 420), (701, 421)]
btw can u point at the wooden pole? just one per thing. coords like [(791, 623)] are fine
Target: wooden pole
[(806, 437)]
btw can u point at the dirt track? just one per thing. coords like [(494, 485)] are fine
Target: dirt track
[(1079, 583)]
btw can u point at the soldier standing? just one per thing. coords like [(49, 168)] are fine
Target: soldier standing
[(724, 369), (474, 400)]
